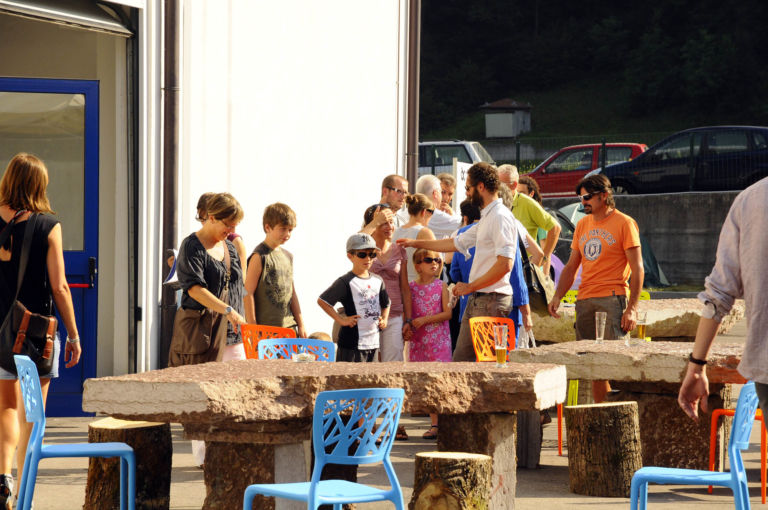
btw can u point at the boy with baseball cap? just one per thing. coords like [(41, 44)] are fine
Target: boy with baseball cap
[(365, 302)]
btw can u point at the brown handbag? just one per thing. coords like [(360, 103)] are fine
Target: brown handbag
[(199, 336)]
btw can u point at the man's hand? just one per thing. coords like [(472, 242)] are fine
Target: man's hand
[(553, 306), (462, 289), (446, 209), (527, 319), (407, 332), (694, 391), (302, 331), (382, 323), (628, 320), (547, 265), (405, 243), (348, 321)]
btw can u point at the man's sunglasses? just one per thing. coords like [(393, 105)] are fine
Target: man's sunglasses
[(364, 254), (429, 260), (588, 196), (400, 192)]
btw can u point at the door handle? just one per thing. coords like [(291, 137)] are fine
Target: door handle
[(92, 271)]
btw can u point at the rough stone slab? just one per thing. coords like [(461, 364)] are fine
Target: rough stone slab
[(240, 396), (667, 318), (641, 361)]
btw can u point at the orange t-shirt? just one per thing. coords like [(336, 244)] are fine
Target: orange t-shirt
[(604, 266)]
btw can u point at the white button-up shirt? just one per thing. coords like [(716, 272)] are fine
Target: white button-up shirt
[(494, 235)]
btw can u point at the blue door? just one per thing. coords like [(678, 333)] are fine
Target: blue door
[(58, 121)]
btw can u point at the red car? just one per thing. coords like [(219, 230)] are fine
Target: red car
[(558, 174)]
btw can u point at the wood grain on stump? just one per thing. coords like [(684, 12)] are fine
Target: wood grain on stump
[(451, 481), (152, 447), (603, 448)]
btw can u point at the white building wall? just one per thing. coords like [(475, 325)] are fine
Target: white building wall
[(300, 102)]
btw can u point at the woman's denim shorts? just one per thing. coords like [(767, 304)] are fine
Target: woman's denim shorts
[(6, 375)]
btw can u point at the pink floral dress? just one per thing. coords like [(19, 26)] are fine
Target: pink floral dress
[(433, 341)]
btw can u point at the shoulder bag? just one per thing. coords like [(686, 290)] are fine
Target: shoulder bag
[(24, 332), (199, 336), (541, 289)]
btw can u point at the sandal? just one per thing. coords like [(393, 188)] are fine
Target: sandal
[(431, 433), (6, 491), (401, 434)]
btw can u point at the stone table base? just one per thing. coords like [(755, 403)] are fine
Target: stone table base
[(668, 436), (231, 467), (488, 434)]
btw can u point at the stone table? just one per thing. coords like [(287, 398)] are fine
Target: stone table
[(650, 373), (255, 415), (668, 319)]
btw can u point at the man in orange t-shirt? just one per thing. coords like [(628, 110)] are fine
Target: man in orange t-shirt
[(606, 244)]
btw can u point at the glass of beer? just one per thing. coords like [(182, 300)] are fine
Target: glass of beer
[(500, 336), (642, 320)]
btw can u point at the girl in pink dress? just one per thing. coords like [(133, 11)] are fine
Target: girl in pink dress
[(431, 340)]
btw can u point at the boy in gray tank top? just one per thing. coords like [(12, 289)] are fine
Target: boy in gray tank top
[(271, 298)]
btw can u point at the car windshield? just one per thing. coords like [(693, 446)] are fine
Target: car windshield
[(482, 153)]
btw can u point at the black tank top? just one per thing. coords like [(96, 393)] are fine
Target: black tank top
[(35, 291)]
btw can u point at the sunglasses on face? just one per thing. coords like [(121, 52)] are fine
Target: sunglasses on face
[(431, 211), (466, 188), (364, 254), (588, 196), (429, 260)]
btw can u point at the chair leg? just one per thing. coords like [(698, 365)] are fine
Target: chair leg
[(560, 429), (248, 499), (762, 461), (28, 480), (634, 490), (131, 465)]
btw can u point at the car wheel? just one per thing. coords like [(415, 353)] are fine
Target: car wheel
[(621, 189)]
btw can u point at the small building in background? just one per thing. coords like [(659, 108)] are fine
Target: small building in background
[(506, 118)]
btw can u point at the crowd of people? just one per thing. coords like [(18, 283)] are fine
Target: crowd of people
[(412, 261)]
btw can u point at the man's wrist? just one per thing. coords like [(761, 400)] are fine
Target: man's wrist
[(73, 340)]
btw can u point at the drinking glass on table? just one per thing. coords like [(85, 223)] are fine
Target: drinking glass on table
[(500, 335), (600, 318), (642, 321)]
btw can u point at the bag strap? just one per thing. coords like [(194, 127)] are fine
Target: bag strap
[(7, 230), (25, 246), (228, 265)]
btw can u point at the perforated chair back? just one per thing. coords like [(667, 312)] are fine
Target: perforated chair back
[(348, 423), (746, 407), (282, 348), (31, 393), (254, 333), (481, 329)]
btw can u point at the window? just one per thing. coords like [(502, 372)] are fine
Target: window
[(445, 154), (614, 155), (761, 142), (722, 142), (578, 159), (678, 147)]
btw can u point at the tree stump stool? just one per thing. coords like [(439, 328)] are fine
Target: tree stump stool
[(603, 448), (153, 448), (451, 480)]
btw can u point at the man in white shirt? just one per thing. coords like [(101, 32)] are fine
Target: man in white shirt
[(495, 241)]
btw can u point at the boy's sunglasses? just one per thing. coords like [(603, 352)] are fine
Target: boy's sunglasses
[(364, 254), (429, 260)]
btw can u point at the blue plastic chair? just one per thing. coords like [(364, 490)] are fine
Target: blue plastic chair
[(736, 479), (346, 428), (282, 348), (29, 381)]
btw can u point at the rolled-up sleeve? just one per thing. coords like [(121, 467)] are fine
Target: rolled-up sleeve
[(466, 240), (505, 236), (724, 284)]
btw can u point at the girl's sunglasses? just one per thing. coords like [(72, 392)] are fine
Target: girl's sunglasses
[(429, 260)]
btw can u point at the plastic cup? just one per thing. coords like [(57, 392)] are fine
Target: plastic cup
[(600, 318), (500, 335)]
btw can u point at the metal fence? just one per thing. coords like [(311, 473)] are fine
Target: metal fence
[(528, 153)]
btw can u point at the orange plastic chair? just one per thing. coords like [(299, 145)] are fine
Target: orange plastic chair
[(481, 329), (253, 333), (717, 413)]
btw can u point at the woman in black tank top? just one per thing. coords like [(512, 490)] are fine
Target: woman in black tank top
[(23, 192)]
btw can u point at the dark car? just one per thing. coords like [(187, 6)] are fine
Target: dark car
[(723, 158)]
